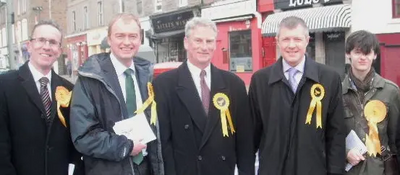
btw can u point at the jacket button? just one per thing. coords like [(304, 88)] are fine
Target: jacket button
[(186, 126), (49, 148), (223, 158), (200, 158)]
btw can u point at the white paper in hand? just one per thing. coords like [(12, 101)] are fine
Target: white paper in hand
[(71, 169), (354, 142), (135, 128)]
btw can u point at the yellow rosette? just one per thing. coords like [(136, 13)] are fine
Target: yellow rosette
[(317, 94), (150, 100), (221, 102), (375, 112), (63, 97)]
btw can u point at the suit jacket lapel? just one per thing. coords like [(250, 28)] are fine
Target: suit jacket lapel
[(213, 119), (55, 81), (112, 79), (29, 84), (187, 92)]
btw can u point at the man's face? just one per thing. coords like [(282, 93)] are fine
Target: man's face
[(292, 44), (44, 47), (124, 39), (359, 61), (200, 45)]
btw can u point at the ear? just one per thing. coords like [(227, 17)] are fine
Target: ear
[(185, 42), (348, 56), (277, 40)]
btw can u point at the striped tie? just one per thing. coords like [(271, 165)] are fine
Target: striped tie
[(44, 94), (205, 91)]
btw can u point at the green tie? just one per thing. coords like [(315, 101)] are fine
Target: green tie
[(131, 104)]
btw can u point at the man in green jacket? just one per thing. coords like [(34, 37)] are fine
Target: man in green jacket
[(372, 108)]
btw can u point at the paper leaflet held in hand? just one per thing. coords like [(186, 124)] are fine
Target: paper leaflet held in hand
[(354, 142), (136, 128)]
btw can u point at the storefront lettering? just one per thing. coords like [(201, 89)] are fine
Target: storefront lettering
[(294, 3), (171, 22), (333, 35), (171, 25)]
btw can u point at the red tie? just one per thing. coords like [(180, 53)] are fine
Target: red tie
[(205, 91)]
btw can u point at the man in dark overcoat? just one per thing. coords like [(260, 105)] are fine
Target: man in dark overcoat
[(297, 108), (198, 135), (34, 138)]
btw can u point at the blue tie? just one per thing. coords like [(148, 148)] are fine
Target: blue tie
[(292, 80)]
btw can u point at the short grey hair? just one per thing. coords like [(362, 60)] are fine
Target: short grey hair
[(48, 22), (198, 21), (292, 22)]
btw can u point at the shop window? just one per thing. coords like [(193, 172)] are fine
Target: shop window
[(142, 35), (396, 8), (240, 51)]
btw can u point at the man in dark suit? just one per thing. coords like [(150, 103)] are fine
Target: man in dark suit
[(110, 87), (34, 139), (298, 110), (196, 139)]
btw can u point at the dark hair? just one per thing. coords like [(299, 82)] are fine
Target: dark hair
[(364, 41), (48, 22)]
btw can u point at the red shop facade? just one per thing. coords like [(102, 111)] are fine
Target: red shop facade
[(77, 50), (239, 36)]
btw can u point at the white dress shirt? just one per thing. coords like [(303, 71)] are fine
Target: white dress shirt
[(195, 72), (120, 69), (299, 67), (37, 76)]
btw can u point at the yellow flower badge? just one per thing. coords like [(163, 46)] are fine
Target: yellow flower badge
[(375, 112), (150, 100), (317, 94), (221, 102), (63, 97)]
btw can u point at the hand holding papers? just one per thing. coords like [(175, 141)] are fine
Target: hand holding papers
[(354, 142), (135, 128)]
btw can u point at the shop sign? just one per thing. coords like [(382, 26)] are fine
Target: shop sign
[(171, 22), (227, 10), (291, 4), (95, 37)]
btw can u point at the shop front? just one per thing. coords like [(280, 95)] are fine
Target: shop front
[(3, 58), (239, 36), (94, 39), (329, 22), (77, 51), (168, 34)]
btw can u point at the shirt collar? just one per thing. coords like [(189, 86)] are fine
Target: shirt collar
[(118, 66), (299, 67), (195, 71), (36, 74)]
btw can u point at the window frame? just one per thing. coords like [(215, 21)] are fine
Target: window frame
[(86, 17), (183, 3), (394, 3), (74, 21), (100, 13), (156, 4), (249, 57)]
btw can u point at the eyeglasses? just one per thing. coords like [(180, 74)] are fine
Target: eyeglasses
[(42, 41)]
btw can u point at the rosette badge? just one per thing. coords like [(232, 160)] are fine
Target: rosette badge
[(63, 98), (221, 102), (374, 111)]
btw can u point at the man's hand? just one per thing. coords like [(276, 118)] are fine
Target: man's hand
[(138, 146), (354, 157)]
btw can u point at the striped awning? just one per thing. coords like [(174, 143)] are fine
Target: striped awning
[(318, 19)]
